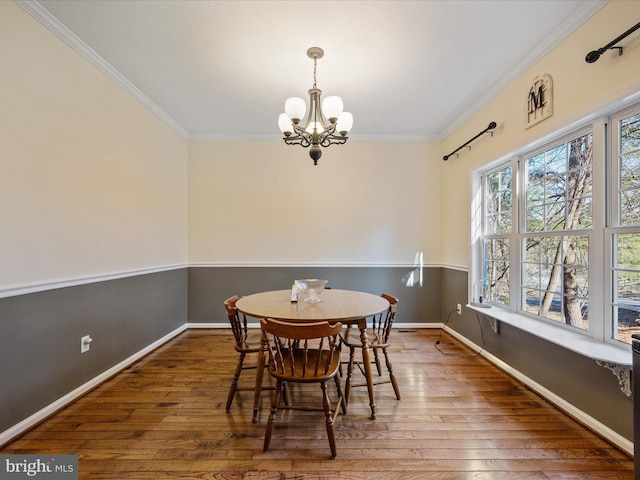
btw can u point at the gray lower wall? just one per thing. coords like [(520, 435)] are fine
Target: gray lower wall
[(40, 335), (573, 377), (210, 286)]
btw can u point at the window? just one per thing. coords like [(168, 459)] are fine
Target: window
[(554, 258), (499, 222), (625, 225), (547, 217)]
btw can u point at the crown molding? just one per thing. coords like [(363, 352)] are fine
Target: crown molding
[(581, 15), (40, 13), (36, 10), (277, 137), (231, 137), (394, 138)]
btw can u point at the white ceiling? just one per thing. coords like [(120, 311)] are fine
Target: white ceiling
[(406, 70)]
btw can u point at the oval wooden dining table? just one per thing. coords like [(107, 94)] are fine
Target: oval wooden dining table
[(345, 306)]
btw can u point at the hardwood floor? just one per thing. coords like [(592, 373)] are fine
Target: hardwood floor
[(459, 418)]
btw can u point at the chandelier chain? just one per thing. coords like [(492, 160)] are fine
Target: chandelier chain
[(315, 68)]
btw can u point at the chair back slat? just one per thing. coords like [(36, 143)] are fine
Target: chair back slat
[(291, 352), (391, 315), (318, 364), (237, 320), (305, 357), (382, 323), (302, 350)]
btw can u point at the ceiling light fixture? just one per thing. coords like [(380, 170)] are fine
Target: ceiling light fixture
[(319, 130)]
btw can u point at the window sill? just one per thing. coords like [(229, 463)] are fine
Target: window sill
[(563, 337)]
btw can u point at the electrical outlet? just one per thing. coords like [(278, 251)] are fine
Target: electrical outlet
[(85, 343), (459, 309)]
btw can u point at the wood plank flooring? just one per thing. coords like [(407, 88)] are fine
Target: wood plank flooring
[(459, 418)]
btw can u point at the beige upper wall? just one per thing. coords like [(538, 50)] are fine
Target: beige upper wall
[(266, 203), (579, 89), (91, 182)]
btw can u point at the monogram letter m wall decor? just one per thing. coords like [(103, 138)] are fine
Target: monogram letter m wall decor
[(539, 103)]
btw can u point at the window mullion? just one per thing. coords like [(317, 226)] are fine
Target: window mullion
[(598, 311), (516, 242)]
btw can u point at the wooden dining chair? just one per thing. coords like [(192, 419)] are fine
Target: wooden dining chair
[(378, 333), (246, 342), (304, 353)]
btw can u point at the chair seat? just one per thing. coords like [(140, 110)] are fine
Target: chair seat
[(250, 342), (351, 338), (294, 372)]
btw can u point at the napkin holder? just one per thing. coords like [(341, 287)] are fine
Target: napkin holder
[(295, 289)]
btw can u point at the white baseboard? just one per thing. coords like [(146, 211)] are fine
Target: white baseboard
[(398, 326), (256, 325), (212, 325), (570, 409), (582, 417), (65, 400)]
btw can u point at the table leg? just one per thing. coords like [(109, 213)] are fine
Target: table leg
[(264, 345), (366, 359)]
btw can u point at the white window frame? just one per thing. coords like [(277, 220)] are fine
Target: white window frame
[(597, 342), (591, 232), (483, 226), (613, 226)]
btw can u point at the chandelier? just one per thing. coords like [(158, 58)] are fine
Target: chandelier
[(326, 124)]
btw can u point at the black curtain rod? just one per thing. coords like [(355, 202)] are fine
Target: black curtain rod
[(595, 54), (491, 126)]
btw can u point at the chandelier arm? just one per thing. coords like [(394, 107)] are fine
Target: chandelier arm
[(303, 145), (303, 134), (330, 129), (307, 138), (328, 137), (315, 115), (301, 131), (333, 140), (300, 139)]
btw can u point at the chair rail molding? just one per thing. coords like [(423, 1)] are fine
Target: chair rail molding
[(34, 287)]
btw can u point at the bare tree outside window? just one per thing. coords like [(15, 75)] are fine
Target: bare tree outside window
[(558, 202), (630, 171), (626, 242), (548, 235), (498, 225)]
